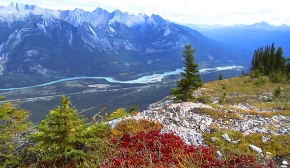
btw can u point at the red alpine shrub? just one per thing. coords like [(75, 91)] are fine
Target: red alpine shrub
[(154, 149)]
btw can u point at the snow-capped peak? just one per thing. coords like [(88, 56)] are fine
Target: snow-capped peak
[(127, 19), (15, 11), (98, 17), (21, 7)]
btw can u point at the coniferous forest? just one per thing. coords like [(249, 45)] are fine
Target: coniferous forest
[(269, 61)]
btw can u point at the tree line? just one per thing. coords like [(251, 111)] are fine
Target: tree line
[(269, 61)]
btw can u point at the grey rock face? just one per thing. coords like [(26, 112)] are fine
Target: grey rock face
[(186, 120)]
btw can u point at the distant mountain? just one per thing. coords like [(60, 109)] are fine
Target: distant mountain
[(50, 43), (203, 27), (247, 38)]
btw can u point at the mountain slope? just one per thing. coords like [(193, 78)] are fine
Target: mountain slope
[(51, 43), (247, 38)]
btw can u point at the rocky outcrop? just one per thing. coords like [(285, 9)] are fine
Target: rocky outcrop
[(187, 121), (190, 120)]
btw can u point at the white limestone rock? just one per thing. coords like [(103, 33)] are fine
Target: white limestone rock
[(256, 149), (284, 162), (219, 154), (213, 139), (226, 137), (237, 141)]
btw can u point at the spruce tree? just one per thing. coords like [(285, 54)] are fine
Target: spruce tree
[(269, 62), (62, 134), (266, 60), (272, 59), (14, 123), (280, 61), (254, 60), (191, 78), (288, 67), (221, 77)]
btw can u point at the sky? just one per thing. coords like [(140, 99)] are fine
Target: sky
[(210, 12)]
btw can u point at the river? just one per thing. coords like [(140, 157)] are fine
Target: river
[(144, 79)]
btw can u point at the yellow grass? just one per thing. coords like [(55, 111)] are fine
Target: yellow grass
[(242, 90)]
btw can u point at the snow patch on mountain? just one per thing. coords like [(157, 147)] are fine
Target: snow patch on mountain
[(19, 11), (70, 36), (128, 20), (166, 32), (112, 31), (92, 31), (32, 52), (3, 59)]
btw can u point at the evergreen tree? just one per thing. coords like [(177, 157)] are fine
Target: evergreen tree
[(254, 60), (13, 124), (288, 68), (191, 78), (61, 134), (2, 98), (272, 58), (269, 62), (134, 109), (280, 61), (266, 60), (221, 77)]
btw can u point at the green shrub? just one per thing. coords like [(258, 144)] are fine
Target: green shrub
[(223, 99), (260, 81), (133, 126), (61, 135), (98, 130), (14, 124), (134, 109), (277, 77), (224, 86), (255, 74), (248, 81), (119, 113), (2, 98), (277, 93)]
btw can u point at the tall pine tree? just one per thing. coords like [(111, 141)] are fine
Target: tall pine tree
[(280, 61), (269, 60), (191, 78), (272, 58), (61, 134)]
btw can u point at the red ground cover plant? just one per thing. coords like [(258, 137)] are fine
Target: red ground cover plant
[(154, 149)]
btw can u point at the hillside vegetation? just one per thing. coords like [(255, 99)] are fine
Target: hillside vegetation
[(260, 95), (242, 96), (238, 122), (134, 142)]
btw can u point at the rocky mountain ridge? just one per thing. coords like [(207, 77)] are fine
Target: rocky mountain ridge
[(47, 42)]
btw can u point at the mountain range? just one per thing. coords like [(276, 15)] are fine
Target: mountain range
[(247, 38), (38, 44), (48, 43)]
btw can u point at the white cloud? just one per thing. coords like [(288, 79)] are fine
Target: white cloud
[(184, 11)]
